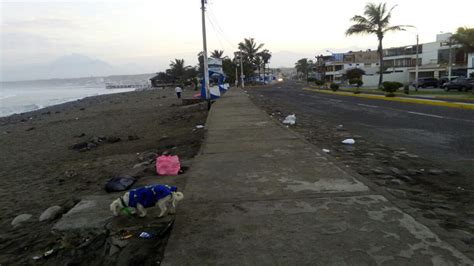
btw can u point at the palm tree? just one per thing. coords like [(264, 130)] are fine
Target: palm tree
[(376, 21), (302, 66), (178, 69), (250, 50), (465, 37), (265, 55), (217, 54)]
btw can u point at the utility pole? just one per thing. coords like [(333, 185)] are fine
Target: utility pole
[(450, 62), (204, 53), (241, 70), (416, 65)]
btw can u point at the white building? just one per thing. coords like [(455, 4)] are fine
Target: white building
[(433, 58)]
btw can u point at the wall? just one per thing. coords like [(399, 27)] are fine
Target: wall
[(470, 64), (373, 80)]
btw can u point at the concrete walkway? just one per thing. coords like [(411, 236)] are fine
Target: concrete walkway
[(259, 195)]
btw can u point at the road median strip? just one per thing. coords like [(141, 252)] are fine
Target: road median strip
[(466, 106)]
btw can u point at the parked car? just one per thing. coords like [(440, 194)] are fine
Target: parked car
[(460, 84), (426, 82), (443, 80)]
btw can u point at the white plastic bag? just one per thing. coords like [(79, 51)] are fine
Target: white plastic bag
[(348, 141), (290, 120)]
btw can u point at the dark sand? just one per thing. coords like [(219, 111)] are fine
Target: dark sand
[(39, 169)]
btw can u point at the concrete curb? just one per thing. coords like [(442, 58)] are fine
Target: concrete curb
[(465, 106)]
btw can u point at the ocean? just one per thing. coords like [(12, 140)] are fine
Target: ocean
[(25, 96)]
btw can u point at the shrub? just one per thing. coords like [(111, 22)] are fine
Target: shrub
[(471, 75), (312, 79), (319, 82), (356, 82), (334, 86), (390, 87)]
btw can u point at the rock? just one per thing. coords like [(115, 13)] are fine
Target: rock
[(113, 139), (133, 137), (147, 156), (21, 219), (164, 137), (91, 145), (97, 139), (412, 155), (144, 164), (79, 146), (396, 182), (386, 177), (378, 171), (413, 172), (406, 178), (395, 170), (80, 135), (435, 172), (51, 213), (397, 192)]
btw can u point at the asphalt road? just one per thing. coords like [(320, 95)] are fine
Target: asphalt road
[(440, 134)]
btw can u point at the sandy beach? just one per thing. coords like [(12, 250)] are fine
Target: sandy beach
[(57, 155)]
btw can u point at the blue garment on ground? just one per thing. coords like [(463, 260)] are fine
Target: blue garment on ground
[(149, 195)]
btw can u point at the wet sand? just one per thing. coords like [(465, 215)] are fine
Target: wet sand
[(40, 168)]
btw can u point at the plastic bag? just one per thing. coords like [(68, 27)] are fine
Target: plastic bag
[(290, 120), (348, 141), (119, 183), (168, 165)]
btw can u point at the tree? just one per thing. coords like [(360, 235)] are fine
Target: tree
[(178, 70), (217, 54), (250, 50), (354, 74), (376, 21), (303, 66), (465, 37), (265, 55)]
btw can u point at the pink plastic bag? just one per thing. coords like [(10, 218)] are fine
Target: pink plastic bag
[(167, 165)]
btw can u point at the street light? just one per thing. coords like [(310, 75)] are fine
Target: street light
[(416, 60)]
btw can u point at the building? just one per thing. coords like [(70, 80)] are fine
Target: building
[(433, 61), (332, 68)]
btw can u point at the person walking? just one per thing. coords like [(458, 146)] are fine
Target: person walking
[(178, 91)]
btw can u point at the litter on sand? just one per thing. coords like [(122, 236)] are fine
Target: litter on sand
[(290, 120), (119, 183), (145, 235), (199, 126), (168, 165), (348, 141), (326, 150)]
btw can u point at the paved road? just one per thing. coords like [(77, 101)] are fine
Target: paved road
[(443, 135)]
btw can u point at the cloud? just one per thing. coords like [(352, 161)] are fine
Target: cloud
[(17, 41), (44, 23)]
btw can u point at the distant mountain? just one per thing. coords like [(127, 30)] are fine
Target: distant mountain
[(69, 66)]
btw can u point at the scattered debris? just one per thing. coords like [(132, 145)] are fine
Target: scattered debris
[(326, 151), (348, 141), (168, 165), (119, 183), (145, 235), (290, 120), (199, 126)]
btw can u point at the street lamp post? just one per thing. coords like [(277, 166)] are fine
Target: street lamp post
[(416, 65)]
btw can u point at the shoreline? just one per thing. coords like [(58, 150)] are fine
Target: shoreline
[(40, 169), (61, 101)]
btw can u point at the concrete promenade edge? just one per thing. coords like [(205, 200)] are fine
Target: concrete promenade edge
[(259, 195)]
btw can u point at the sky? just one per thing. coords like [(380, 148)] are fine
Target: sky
[(148, 34)]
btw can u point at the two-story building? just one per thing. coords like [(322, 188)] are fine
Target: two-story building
[(433, 61)]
